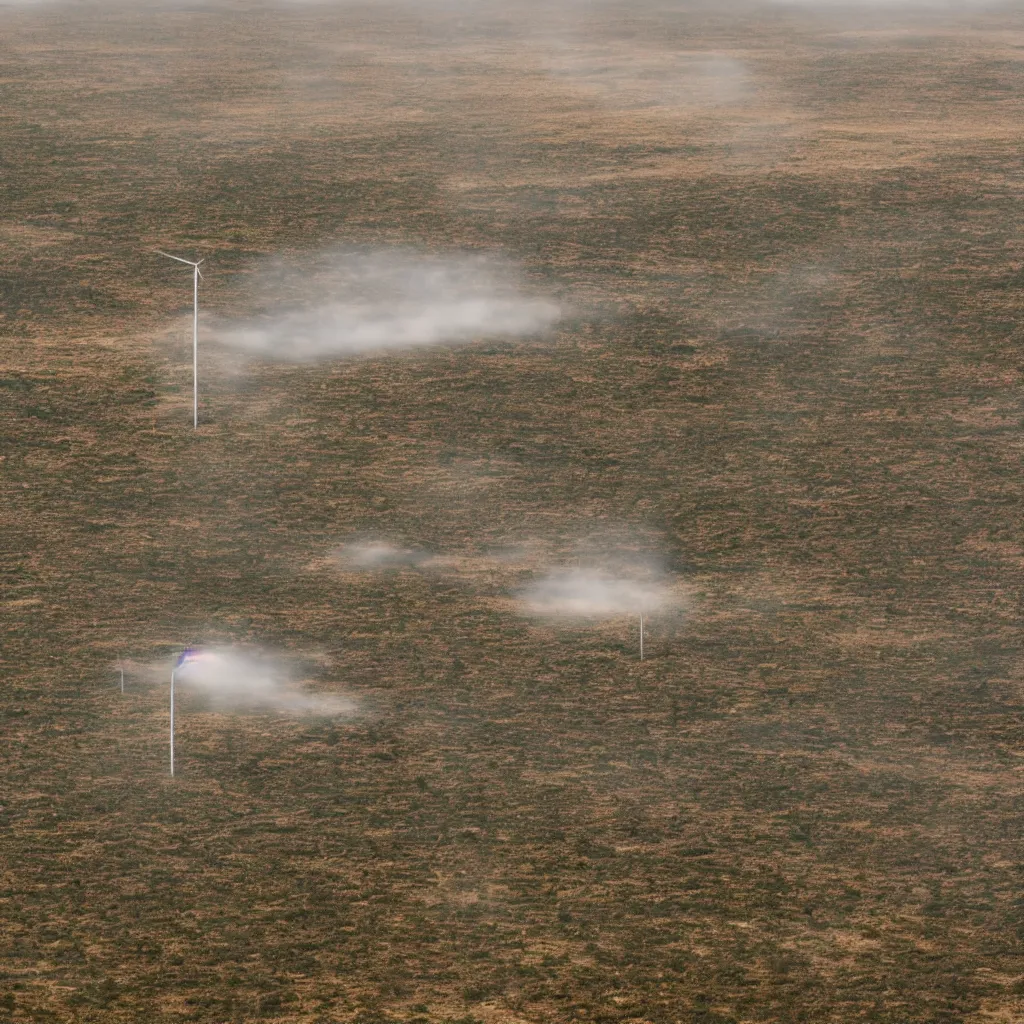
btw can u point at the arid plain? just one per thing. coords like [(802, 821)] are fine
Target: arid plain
[(788, 242)]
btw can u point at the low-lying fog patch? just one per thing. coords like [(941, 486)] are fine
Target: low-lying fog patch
[(237, 679), (595, 594), (357, 302), (627, 75), (370, 555)]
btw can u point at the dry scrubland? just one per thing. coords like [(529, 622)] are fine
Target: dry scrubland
[(793, 367)]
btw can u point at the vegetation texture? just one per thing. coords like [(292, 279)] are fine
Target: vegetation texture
[(790, 249)]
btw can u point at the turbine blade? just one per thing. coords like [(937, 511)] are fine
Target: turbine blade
[(178, 258)]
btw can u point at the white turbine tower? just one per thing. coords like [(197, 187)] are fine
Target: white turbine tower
[(195, 332)]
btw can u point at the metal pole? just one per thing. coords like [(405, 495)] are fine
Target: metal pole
[(172, 722), (195, 347), (641, 637), (121, 670)]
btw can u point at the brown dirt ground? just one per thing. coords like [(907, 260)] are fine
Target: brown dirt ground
[(792, 243)]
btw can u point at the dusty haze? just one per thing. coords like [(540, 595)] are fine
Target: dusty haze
[(802, 226)]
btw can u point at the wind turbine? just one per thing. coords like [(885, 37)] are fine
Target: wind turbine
[(195, 332)]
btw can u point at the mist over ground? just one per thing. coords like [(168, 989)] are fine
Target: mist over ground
[(593, 594), (358, 302), (802, 806), (238, 679), (377, 555)]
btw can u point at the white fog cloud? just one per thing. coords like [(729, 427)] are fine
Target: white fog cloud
[(229, 678), (378, 555), (352, 303), (591, 594)]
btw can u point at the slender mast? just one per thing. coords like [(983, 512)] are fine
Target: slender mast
[(195, 347), (195, 332), (172, 722), (641, 636)]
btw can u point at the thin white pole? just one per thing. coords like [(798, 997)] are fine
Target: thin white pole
[(195, 347), (195, 332), (172, 722), (121, 670), (641, 636)]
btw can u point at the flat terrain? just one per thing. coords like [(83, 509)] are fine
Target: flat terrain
[(791, 248)]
